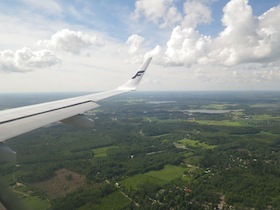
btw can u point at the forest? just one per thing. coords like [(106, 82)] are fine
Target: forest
[(153, 150)]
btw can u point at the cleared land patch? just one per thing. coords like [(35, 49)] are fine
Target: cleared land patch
[(62, 183)]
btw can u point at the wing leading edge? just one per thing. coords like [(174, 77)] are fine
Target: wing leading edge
[(14, 122)]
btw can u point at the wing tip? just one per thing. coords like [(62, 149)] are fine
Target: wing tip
[(132, 84)]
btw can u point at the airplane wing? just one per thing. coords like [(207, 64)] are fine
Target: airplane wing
[(14, 122)]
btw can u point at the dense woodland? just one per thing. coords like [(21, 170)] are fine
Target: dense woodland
[(148, 151)]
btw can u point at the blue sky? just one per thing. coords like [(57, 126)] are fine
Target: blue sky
[(84, 45)]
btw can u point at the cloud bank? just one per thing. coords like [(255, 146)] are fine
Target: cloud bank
[(245, 51), (245, 38), (24, 60)]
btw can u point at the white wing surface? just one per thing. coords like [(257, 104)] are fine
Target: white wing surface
[(17, 121)]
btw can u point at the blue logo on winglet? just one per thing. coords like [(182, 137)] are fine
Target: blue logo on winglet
[(139, 73)]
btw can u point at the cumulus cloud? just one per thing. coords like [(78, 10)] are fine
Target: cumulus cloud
[(134, 41), (196, 13), (138, 50), (161, 12), (186, 47), (71, 41), (165, 13), (25, 59), (245, 39), (238, 18)]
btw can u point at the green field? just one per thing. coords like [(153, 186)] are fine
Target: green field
[(264, 105), (193, 143), (264, 117), (114, 201), (188, 154), (102, 151), (216, 106), (159, 177), (219, 123), (237, 113), (167, 174), (36, 203), (135, 182), (158, 120)]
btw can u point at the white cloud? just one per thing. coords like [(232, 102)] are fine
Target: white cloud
[(153, 53), (238, 18), (170, 17), (162, 12), (186, 47), (134, 41), (195, 14), (269, 33), (165, 13), (26, 60), (139, 52), (246, 38), (71, 41)]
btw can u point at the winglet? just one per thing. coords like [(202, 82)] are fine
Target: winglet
[(135, 80)]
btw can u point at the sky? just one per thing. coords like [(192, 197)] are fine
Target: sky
[(93, 45)]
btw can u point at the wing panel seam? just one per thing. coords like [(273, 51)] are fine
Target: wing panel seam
[(44, 112)]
